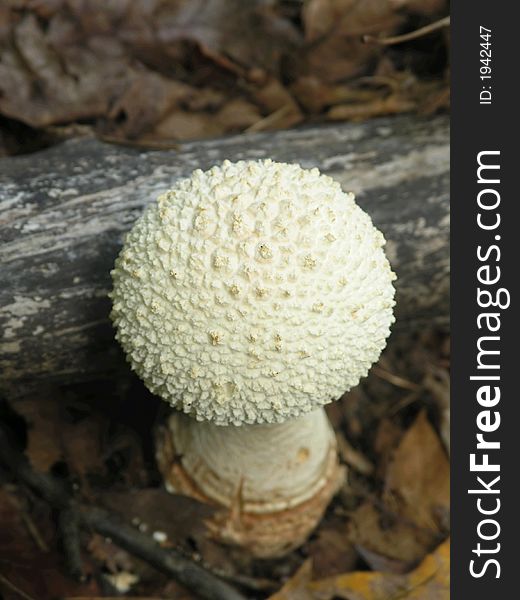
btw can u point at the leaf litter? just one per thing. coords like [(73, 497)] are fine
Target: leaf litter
[(383, 537), (157, 72)]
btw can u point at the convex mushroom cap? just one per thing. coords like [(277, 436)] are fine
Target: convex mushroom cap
[(254, 292)]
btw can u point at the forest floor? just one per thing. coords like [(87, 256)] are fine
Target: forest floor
[(385, 535), (153, 73)]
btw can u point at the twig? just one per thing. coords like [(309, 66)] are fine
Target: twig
[(406, 37), (185, 571), (14, 588), (30, 524), (34, 532), (251, 583), (50, 489), (68, 526), (403, 403), (143, 143), (268, 121), (395, 379), (257, 584)]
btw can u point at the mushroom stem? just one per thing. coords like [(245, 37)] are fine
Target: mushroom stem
[(275, 480)]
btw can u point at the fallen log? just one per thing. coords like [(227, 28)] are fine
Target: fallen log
[(63, 213)]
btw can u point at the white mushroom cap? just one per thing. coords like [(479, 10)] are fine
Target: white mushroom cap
[(252, 293)]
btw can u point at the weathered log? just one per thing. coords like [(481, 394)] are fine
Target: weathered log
[(63, 213)]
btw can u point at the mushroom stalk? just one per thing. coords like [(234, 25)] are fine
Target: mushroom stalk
[(275, 479)]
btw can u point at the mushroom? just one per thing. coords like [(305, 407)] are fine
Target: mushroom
[(248, 297)]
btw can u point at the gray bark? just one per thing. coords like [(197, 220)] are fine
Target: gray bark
[(63, 213)]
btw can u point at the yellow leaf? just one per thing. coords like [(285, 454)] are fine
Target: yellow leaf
[(429, 581)]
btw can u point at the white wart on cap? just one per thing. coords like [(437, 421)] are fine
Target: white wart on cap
[(252, 293)]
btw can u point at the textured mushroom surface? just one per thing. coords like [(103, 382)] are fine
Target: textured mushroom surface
[(276, 467), (274, 481), (252, 293)]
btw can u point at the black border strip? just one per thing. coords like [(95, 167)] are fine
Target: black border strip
[(480, 128)]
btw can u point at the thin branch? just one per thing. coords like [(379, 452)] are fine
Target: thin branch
[(68, 527), (272, 118), (101, 521), (14, 588), (185, 571), (30, 524), (406, 37), (395, 379), (34, 532), (144, 143)]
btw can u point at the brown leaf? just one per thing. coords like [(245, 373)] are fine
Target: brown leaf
[(386, 537), (414, 511), (429, 581), (205, 98), (387, 437), (390, 105), (238, 114), (226, 27), (84, 61), (43, 436), (44, 81), (330, 549), (379, 562), (426, 8), (82, 445), (296, 587), (418, 477), (335, 29), (276, 100), (183, 125), (315, 95), (135, 114), (52, 437)]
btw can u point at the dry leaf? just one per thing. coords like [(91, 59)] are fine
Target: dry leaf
[(43, 432), (368, 110), (281, 108), (413, 513), (296, 587), (153, 71), (134, 114), (238, 114), (386, 439), (334, 28), (315, 95), (417, 479), (44, 81), (380, 536), (429, 581), (62, 61), (184, 125), (330, 549), (426, 8)]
